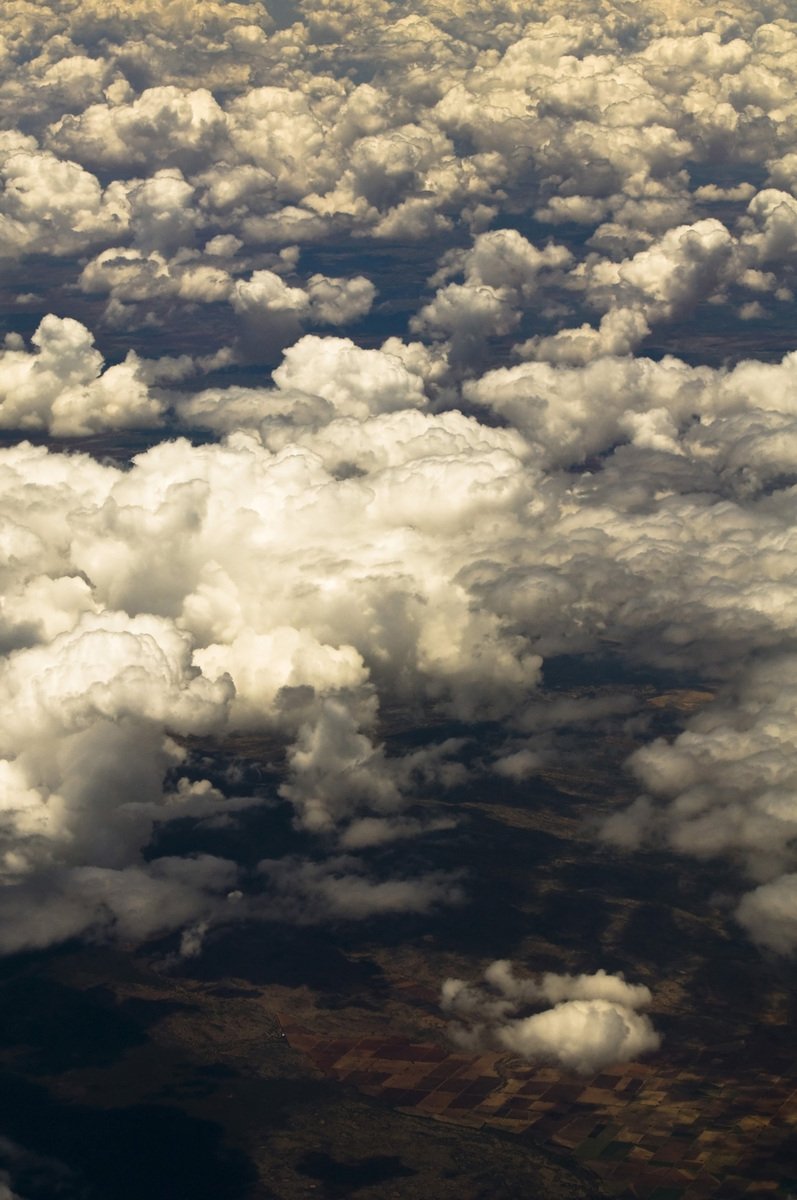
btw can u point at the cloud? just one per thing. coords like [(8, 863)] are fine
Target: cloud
[(408, 554), (619, 333), (114, 649), (162, 213), (167, 271), (725, 786), (163, 125), (768, 914), (583, 1035), (772, 223), (133, 904), (379, 831), (339, 889), (357, 383), (60, 385), (82, 771), (339, 301), (51, 206), (274, 312), (500, 273), (388, 523), (518, 765), (86, 705), (593, 1023)]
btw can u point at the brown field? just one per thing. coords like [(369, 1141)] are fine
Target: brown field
[(645, 1130)]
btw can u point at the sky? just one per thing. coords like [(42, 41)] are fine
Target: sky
[(369, 357)]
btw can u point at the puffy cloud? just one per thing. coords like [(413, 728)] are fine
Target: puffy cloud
[(687, 263), (772, 223), (504, 258), (270, 306), (593, 1023), (555, 988), (146, 278), (583, 1035), (468, 315), (620, 331), (263, 664), (139, 285), (519, 764), (571, 411), (60, 385), (277, 128), (84, 706), (107, 666), (97, 690), (85, 783), (334, 769), (266, 292), (98, 20), (164, 125), (162, 213), (50, 206), (356, 382), (84, 760), (410, 578), (271, 311), (500, 272), (339, 301), (280, 142)]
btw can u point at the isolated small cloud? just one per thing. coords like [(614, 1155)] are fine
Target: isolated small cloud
[(582, 1035), (594, 1021)]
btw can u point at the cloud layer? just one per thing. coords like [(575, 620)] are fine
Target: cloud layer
[(464, 353)]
